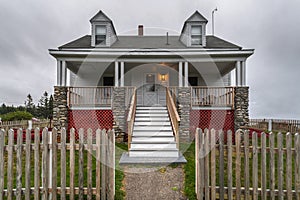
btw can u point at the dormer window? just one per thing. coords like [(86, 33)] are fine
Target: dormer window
[(100, 35), (196, 35)]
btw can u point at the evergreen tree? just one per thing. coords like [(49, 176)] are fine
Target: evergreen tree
[(29, 105)]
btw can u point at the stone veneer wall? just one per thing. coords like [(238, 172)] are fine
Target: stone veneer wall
[(60, 104), (119, 108), (241, 107), (184, 104)]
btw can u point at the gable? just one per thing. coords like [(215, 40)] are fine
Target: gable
[(197, 17), (100, 17)]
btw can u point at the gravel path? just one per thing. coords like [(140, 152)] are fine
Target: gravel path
[(153, 183)]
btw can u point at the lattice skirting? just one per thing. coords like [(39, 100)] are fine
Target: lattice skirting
[(94, 119), (217, 119)]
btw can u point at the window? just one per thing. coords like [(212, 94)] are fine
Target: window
[(100, 35), (196, 35)]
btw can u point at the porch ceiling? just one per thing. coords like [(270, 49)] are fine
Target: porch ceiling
[(88, 68)]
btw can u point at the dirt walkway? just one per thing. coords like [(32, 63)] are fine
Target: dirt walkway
[(154, 183)]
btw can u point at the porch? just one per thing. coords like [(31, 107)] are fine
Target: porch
[(102, 97)]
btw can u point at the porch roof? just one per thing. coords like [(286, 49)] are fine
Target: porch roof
[(150, 42)]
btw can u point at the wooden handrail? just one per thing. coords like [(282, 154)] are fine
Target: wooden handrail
[(175, 119), (131, 117)]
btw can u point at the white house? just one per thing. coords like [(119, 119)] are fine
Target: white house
[(142, 82)]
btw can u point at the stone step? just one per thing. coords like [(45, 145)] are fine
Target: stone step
[(166, 146), (150, 153), (152, 128), (151, 115), (152, 119), (151, 111), (152, 134), (150, 123), (153, 140)]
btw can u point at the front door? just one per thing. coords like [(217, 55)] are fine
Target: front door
[(150, 96)]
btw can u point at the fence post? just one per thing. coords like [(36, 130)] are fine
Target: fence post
[(213, 163), (80, 167), (72, 163), (98, 164), (49, 149), (297, 174), (280, 165), (263, 166), (2, 144), (19, 164), (28, 164), (221, 163), (37, 164), (238, 164), (63, 164), (254, 166), (272, 165), (45, 164), (53, 160), (289, 162), (270, 125)]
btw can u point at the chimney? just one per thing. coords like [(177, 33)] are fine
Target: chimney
[(141, 30)]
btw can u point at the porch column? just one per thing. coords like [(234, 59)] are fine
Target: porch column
[(186, 74), (64, 74), (122, 74), (243, 72), (180, 74), (238, 73), (58, 73), (116, 74)]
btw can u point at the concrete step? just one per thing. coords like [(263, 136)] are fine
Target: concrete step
[(152, 119), (152, 128), (153, 140), (152, 134), (166, 146), (150, 153), (151, 111), (151, 115), (151, 108), (150, 123), (126, 160)]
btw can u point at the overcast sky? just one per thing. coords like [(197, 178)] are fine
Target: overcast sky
[(30, 27)]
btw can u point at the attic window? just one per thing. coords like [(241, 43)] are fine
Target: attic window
[(100, 35), (196, 35)]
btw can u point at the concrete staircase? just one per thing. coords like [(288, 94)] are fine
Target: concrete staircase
[(152, 134), (152, 139)]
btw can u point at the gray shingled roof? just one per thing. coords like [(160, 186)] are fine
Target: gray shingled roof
[(149, 42)]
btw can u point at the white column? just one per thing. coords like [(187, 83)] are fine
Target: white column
[(116, 74), (243, 82), (58, 73), (180, 74), (122, 74), (63, 74), (238, 73), (186, 74)]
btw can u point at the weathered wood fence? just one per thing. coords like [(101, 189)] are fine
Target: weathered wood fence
[(284, 125), (44, 168), (6, 125), (265, 166)]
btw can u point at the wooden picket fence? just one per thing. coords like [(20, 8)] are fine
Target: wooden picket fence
[(44, 168), (256, 166)]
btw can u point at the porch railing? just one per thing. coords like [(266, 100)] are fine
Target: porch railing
[(212, 96), (90, 96), (131, 117), (175, 119)]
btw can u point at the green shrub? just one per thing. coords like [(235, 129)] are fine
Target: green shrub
[(18, 115)]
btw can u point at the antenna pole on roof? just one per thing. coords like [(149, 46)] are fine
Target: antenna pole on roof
[(167, 38), (213, 20)]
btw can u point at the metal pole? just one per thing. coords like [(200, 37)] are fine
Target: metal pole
[(213, 21)]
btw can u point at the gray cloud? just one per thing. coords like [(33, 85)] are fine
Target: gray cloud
[(29, 28)]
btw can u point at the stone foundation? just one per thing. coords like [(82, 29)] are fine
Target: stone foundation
[(119, 108), (241, 107), (60, 104), (184, 108)]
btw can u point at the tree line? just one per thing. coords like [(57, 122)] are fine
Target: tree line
[(42, 110)]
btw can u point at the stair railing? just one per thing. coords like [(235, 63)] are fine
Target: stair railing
[(175, 119), (131, 117)]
